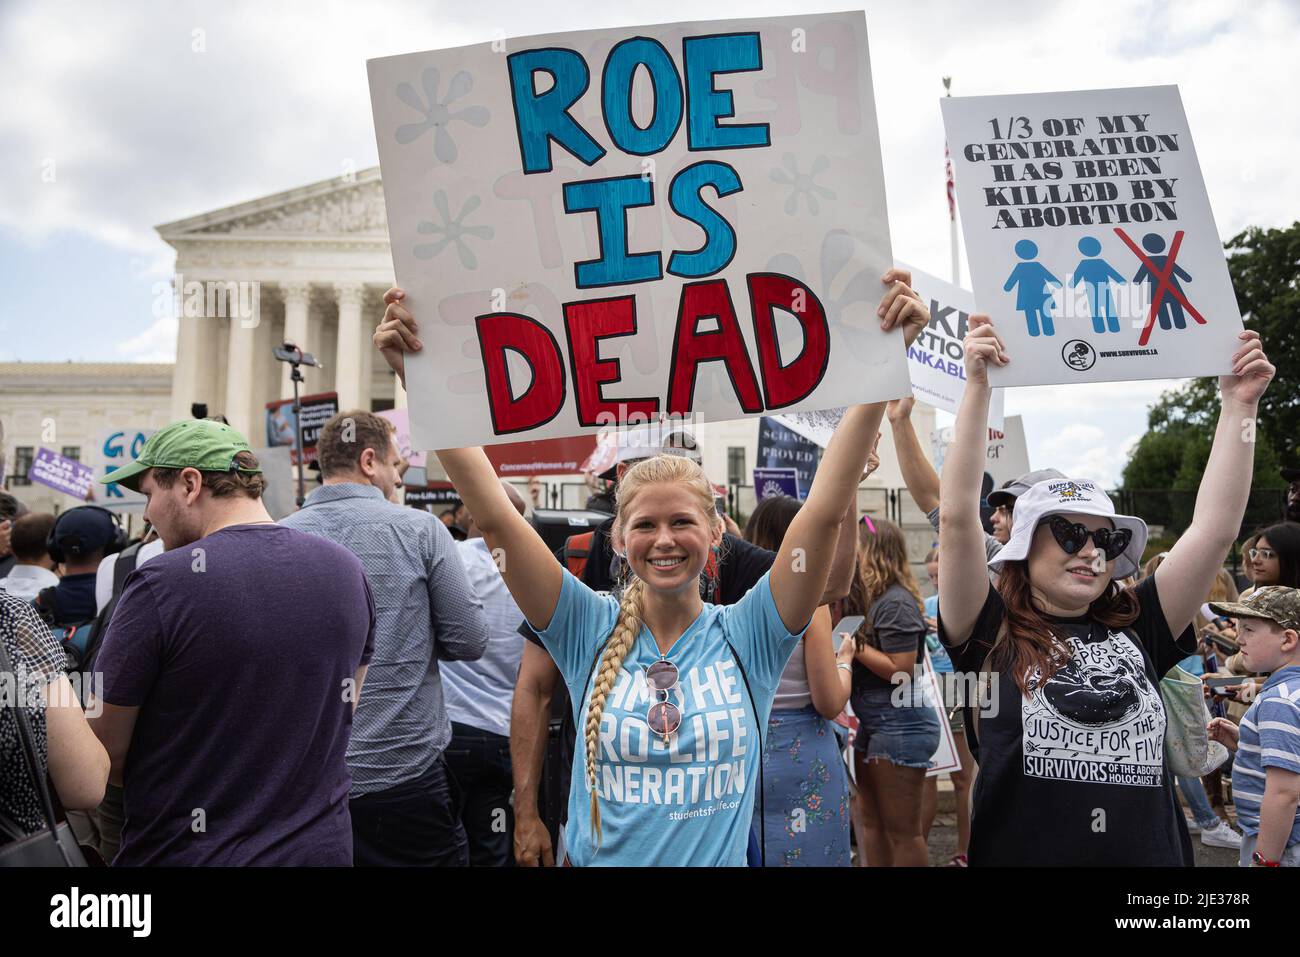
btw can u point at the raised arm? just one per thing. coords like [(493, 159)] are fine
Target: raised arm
[(1185, 577), (919, 476), (530, 571), (962, 584), (802, 564), (529, 568), (845, 561)]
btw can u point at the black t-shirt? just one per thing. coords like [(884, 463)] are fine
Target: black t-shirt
[(740, 566), (1075, 774), (896, 625)]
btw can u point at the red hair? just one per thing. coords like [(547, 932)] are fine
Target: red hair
[(1031, 642)]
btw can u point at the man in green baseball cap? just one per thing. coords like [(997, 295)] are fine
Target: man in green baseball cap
[(202, 444), (199, 476), (218, 623)]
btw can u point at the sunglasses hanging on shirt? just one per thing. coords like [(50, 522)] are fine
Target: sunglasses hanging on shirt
[(664, 717)]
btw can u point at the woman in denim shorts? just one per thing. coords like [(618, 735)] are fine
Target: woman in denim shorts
[(898, 728)]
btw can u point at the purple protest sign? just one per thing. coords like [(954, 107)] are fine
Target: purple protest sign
[(774, 482), (61, 473)]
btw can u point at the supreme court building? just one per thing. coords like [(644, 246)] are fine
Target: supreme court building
[(307, 266)]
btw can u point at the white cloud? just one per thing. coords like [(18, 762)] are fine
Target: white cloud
[(1084, 450), (155, 344)]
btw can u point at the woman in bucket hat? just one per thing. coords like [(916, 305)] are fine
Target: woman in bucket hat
[(1068, 721)]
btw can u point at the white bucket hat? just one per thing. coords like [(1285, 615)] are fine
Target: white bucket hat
[(1068, 497)]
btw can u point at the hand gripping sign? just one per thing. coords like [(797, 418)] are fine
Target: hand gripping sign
[(936, 360), (1090, 236), (615, 226)]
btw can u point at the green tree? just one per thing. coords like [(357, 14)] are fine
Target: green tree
[(1265, 268)]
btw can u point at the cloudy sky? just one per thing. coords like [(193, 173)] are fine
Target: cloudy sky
[(118, 117)]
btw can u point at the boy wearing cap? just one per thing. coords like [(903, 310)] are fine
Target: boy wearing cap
[(1266, 772), (231, 669)]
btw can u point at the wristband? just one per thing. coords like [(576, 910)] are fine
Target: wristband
[(1259, 860), (844, 667)]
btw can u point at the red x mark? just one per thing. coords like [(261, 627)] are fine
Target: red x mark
[(1163, 283)]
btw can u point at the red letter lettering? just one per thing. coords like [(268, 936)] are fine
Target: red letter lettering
[(702, 300), (788, 384), (585, 324), (541, 402)]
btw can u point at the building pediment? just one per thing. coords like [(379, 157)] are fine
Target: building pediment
[(346, 207)]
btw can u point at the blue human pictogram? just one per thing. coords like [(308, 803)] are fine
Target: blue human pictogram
[(1033, 283), (1171, 310), (1097, 275)]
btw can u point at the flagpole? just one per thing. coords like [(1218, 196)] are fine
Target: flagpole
[(952, 201)]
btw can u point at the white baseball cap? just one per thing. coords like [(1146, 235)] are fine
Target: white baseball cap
[(1065, 496), (644, 442)]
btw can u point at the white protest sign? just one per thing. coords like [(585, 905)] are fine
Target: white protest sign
[(945, 757), (115, 449), (936, 360), (1090, 236), (619, 225), (1007, 454)]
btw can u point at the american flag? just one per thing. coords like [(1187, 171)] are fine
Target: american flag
[(952, 199)]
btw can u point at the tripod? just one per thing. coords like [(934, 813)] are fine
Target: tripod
[(297, 359)]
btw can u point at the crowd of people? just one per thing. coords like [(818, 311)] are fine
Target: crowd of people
[(355, 684)]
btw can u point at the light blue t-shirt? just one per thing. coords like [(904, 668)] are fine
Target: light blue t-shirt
[(1270, 738), (689, 802)]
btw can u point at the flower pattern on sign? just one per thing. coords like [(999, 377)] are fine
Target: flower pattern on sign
[(438, 115), (452, 231), (802, 184)]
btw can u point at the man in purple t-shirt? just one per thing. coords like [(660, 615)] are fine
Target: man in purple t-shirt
[(231, 669)]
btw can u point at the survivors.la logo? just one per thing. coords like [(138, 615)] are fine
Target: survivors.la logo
[(1079, 355)]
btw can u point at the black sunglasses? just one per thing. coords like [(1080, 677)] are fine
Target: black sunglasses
[(1072, 536)]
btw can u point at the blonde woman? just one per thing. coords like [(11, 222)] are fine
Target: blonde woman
[(671, 694), (898, 730)]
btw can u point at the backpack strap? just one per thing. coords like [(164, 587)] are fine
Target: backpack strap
[(711, 580), (758, 723), (125, 564), (46, 603), (577, 550)]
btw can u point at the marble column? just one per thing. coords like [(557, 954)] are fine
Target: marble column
[(195, 377), (239, 377), (297, 297), (349, 364)]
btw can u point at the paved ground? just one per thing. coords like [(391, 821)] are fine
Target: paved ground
[(943, 844)]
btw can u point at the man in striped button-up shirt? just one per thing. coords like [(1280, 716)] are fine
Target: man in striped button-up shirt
[(403, 801)]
